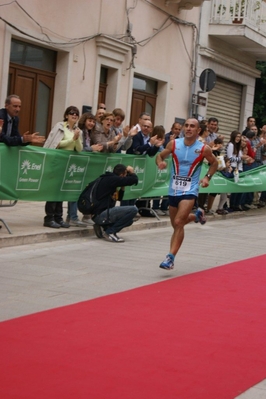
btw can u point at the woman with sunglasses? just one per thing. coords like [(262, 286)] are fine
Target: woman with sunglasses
[(65, 135)]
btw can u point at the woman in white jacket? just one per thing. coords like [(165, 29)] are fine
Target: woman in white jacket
[(65, 135)]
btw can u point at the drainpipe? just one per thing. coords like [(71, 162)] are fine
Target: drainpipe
[(193, 108)]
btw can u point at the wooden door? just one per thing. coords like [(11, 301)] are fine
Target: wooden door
[(36, 90), (142, 102)]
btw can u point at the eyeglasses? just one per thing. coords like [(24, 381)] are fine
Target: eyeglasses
[(73, 113)]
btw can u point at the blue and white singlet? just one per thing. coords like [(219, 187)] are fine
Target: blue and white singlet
[(186, 167)]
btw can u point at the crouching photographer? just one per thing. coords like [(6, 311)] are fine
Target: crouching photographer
[(108, 218)]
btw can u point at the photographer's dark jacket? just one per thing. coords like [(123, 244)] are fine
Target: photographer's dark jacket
[(107, 188)]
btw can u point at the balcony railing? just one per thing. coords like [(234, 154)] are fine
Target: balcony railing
[(247, 12)]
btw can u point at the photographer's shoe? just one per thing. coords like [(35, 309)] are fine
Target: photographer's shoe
[(112, 237), (98, 230)]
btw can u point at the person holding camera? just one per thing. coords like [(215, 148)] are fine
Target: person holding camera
[(108, 218)]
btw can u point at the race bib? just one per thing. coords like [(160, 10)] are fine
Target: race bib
[(181, 183)]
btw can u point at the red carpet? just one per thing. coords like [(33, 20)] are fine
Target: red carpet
[(200, 336)]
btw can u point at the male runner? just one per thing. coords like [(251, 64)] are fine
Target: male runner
[(187, 157)]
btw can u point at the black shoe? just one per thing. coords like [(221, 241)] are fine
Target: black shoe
[(238, 209), (52, 224), (64, 224), (98, 230)]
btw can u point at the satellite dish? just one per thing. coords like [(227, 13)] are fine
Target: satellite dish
[(207, 80)]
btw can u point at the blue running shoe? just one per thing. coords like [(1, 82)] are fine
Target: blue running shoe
[(200, 216), (168, 263)]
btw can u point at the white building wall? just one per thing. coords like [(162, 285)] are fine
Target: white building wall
[(227, 62), (166, 57)]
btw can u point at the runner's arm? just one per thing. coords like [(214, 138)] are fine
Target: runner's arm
[(164, 154)]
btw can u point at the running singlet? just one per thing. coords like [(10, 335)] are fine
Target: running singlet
[(186, 167)]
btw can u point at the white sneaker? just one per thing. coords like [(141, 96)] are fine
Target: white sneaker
[(112, 237)]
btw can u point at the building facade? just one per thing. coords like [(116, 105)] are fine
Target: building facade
[(232, 38), (138, 55)]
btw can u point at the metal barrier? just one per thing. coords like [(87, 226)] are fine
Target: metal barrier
[(148, 205), (5, 204)]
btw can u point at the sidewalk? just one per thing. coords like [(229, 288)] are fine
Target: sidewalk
[(25, 220)]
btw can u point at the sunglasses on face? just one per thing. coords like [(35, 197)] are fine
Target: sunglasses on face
[(73, 113)]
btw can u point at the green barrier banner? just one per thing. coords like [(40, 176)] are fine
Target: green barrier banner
[(38, 174)]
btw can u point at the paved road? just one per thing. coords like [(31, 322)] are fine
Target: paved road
[(51, 274), (46, 275)]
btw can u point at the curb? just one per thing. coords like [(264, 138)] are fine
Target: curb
[(142, 224)]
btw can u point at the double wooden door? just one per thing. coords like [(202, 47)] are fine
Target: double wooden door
[(36, 91)]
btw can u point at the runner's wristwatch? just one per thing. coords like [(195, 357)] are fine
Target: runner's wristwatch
[(209, 176)]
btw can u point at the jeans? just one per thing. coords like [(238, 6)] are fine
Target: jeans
[(119, 218), (72, 210)]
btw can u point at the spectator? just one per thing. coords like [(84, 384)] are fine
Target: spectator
[(173, 134), (110, 219), (235, 155), (144, 116), (102, 106), (251, 121), (262, 200), (87, 125), (160, 206), (203, 134), (66, 136), (143, 143), (9, 121), (257, 146), (227, 172), (99, 113), (105, 135), (248, 164), (126, 133), (212, 129), (216, 150)]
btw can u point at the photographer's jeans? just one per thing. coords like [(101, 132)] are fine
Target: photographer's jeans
[(119, 218)]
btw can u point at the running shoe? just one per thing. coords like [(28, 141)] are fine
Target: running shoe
[(112, 237), (200, 217), (168, 263)]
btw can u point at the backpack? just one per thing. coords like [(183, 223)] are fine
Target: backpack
[(87, 202)]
